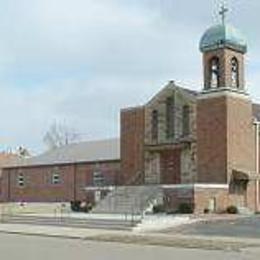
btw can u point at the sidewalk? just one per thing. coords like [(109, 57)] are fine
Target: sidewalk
[(157, 239), (52, 231)]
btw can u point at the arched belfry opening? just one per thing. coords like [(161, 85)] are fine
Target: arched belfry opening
[(234, 73), (214, 72)]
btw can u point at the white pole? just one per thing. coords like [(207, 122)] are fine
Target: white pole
[(257, 164)]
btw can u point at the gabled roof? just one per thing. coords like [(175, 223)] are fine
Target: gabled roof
[(104, 150), (172, 86), (7, 159)]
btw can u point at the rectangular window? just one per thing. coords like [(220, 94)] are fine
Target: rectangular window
[(170, 117), (20, 180), (154, 124), (98, 178), (55, 178), (186, 120)]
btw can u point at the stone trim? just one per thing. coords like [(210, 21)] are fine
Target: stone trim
[(126, 109), (102, 188), (166, 186), (219, 92), (196, 186)]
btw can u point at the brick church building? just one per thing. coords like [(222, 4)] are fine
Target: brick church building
[(200, 148)]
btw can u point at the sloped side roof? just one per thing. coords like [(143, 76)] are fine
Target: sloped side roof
[(104, 150), (7, 159)]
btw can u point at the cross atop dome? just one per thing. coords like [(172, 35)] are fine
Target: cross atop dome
[(223, 11), (223, 35), (223, 47)]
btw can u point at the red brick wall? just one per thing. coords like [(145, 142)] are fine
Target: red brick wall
[(4, 183), (175, 197), (251, 196), (84, 176), (212, 140), (224, 198), (241, 135), (199, 198), (132, 143), (203, 196), (225, 135), (170, 163), (39, 187)]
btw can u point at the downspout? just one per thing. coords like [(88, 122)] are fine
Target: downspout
[(8, 185), (257, 123), (75, 181)]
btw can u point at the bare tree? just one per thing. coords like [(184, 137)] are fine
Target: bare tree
[(23, 152), (60, 135)]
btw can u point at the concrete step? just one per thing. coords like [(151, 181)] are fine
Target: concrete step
[(129, 199), (245, 211), (111, 224)]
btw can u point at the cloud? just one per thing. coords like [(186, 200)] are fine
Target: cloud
[(80, 61)]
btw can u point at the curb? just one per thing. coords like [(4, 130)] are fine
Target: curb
[(189, 242), (41, 235)]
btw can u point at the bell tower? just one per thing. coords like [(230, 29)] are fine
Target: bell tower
[(223, 48), (225, 132)]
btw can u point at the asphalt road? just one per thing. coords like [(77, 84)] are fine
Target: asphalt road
[(13, 247), (248, 227)]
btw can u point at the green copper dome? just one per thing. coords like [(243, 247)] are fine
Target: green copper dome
[(221, 36)]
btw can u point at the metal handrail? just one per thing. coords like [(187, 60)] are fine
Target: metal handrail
[(135, 179), (152, 195)]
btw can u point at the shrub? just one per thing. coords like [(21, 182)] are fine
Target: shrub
[(158, 209), (232, 210), (206, 211), (87, 207), (75, 205), (81, 206), (185, 208), (172, 212), (84, 209)]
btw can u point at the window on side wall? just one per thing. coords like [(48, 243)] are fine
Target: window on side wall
[(98, 178), (20, 180), (56, 177)]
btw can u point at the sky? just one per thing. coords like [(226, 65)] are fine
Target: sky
[(79, 62)]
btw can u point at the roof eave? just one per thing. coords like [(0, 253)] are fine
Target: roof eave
[(214, 47)]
